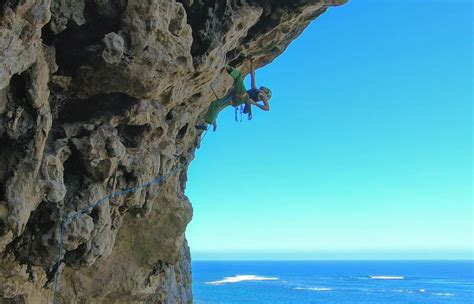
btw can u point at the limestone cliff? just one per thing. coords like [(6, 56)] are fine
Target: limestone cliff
[(102, 95)]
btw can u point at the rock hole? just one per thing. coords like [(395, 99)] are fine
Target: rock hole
[(167, 96), (158, 133), (102, 171), (28, 248), (18, 91), (12, 4), (17, 87), (132, 135), (47, 35), (169, 116), (3, 227), (275, 50), (73, 257), (18, 102), (95, 106), (130, 179), (181, 60), (73, 174), (205, 18), (73, 163), (182, 132), (175, 25), (235, 61), (11, 152), (81, 45), (95, 215)]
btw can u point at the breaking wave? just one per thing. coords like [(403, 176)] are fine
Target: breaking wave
[(445, 294), (314, 288), (241, 278), (387, 277)]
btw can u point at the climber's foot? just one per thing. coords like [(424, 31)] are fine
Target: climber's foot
[(201, 127)]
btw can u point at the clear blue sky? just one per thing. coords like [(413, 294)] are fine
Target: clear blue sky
[(367, 149)]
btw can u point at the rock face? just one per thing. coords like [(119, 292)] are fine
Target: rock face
[(102, 95)]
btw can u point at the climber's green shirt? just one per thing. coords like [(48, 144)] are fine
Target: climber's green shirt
[(236, 97)]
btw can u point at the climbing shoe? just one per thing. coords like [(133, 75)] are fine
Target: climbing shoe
[(201, 127)]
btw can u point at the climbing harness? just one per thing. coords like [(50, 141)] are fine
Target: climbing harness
[(240, 96), (238, 109), (98, 203)]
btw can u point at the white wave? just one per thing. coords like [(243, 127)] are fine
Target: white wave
[(387, 277), (314, 288), (409, 291), (241, 278), (445, 294)]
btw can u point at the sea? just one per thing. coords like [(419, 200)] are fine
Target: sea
[(299, 282)]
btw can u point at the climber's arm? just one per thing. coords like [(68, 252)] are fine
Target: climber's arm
[(252, 75), (265, 106)]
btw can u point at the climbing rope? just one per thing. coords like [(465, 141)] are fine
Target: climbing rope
[(98, 203), (215, 94)]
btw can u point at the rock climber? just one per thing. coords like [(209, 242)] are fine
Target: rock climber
[(238, 96)]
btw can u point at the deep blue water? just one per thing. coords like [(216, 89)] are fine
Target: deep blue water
[(333, 282)]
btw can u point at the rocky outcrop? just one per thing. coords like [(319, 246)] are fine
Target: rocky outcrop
[(102, 95)]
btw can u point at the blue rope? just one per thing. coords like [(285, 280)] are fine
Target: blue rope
[(89, 209)]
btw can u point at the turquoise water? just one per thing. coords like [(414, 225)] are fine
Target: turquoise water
[(333, 282)]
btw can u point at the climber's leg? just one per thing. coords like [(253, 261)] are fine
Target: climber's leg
[(213, 111)]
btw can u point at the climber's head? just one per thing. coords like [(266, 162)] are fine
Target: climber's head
[(266, 91)]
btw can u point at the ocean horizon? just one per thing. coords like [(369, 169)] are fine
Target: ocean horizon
[(334, 281)]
